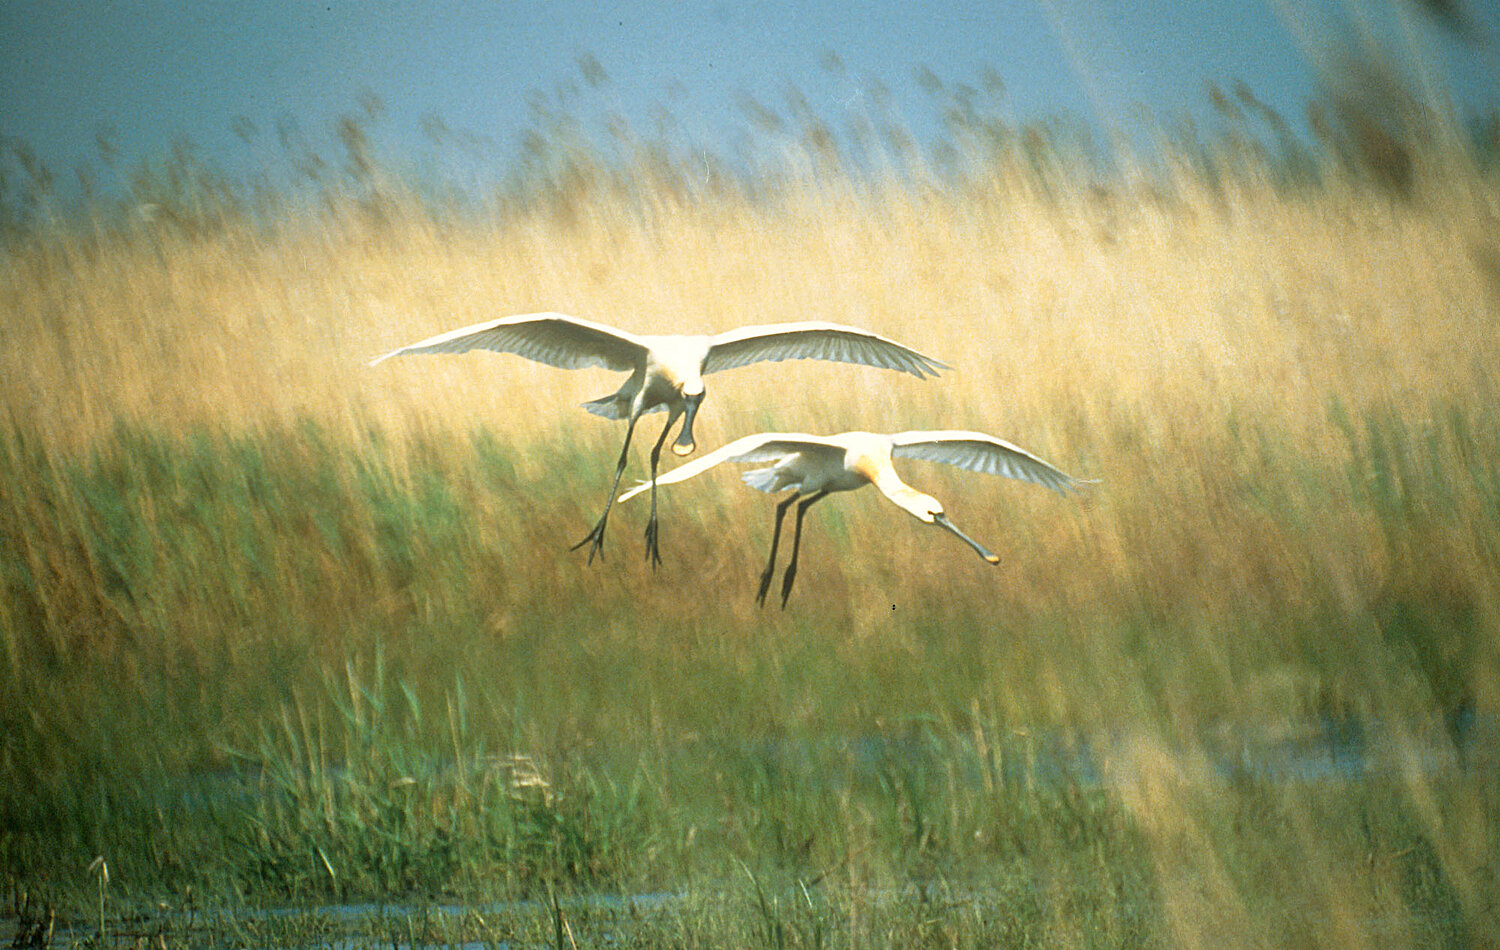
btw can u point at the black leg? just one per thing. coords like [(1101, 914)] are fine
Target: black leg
[(653, 552), (596, 535), (765, 577), (791, 568)]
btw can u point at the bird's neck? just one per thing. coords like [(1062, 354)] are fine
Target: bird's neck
[(890, 484)]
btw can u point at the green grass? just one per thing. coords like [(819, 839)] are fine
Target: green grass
[(284, 669)]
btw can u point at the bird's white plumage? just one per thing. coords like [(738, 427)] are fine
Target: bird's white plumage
[(574, 343), (666, 371), (763, 447), (555, 339), (813, 340), (813, 467), (982, 453), (663, 367), (808, 462)]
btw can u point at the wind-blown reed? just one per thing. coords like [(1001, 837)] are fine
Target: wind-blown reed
[(216, 519)]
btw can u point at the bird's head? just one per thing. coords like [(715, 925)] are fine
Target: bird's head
[(922, 507), (692, 396)]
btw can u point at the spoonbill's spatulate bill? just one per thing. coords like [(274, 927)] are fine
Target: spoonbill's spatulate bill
[(817, 466), (666, 372)]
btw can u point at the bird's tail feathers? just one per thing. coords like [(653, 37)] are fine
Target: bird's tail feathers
[(762, 479), (613, 407), (610, 407)]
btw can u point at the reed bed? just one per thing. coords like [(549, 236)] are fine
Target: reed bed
[(288, 629)]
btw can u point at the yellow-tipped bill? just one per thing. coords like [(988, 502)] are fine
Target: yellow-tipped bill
[(942, 519)]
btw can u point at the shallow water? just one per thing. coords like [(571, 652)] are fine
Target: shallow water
[(1323, 750), (1326, 750)]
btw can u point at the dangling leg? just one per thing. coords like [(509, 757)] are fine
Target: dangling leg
[(791, 568), (597, 534), (765, 577), (653, 553)]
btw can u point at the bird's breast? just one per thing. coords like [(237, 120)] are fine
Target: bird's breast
[(660, 388)]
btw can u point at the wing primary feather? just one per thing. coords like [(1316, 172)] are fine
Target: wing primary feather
[(822, 341), (978, 452), (552, 338), (762, 447)]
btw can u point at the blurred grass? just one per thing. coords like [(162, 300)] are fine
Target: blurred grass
[(283, 628)]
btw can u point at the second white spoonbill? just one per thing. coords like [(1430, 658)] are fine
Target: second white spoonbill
[(666, 371), (816, 466)]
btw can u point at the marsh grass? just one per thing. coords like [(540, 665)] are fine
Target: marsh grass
[(280, 629)]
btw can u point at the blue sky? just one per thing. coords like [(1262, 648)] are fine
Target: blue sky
[(151, 73)]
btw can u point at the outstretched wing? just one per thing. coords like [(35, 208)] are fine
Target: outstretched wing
[(762, 447), (814, 341), (552, 338), (978, 452)]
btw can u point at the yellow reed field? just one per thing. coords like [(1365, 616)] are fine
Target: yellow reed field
[(1058, 319), (1186, 352)]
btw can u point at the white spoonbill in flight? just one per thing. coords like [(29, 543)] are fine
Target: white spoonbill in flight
[(666, 371), (816, 466)]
